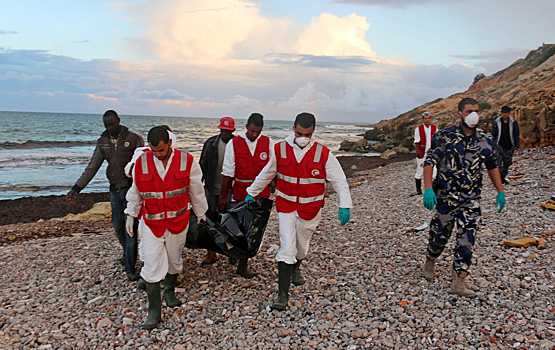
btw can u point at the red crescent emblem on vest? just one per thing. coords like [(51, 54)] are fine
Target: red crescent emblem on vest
[(263, 156), (315, 172)]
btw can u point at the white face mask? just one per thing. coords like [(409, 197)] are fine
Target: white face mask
[(302, 141), (472, 120)]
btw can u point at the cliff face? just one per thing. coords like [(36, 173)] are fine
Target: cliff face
[(527, 86)]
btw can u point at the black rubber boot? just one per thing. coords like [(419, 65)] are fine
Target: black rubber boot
[(418, 186), (154, 305), (242, 269), (169, 290), (284, 274), (141, 284), (296, 277)]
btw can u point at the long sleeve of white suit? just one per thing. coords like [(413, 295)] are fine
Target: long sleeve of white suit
[(228, 167), (133, 197), (196, 191), (336, 176)]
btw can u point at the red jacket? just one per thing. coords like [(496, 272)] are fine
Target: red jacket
[(165, 202), (422, 143), (300, 186), (248, 166)]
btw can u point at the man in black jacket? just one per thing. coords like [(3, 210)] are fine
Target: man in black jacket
[(211, 161), (116, 145)]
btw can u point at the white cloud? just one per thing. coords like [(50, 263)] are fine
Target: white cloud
[(224, 58), (329, 35), (208, 30)]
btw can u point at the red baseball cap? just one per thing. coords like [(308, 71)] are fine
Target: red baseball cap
[(227, 123)]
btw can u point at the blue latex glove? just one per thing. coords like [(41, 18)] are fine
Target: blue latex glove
[(344, 215), (430, 200), (249, 198), (500, 201)]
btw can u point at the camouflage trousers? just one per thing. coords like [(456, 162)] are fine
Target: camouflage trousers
[(462, 219), (504, 160)]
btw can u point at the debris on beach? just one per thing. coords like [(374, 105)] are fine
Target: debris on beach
[(521, 242)]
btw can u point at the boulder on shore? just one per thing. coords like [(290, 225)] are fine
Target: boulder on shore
[(354, 146), (388, 154), (400, 149)]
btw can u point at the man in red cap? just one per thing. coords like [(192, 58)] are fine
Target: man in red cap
[(211, 162)]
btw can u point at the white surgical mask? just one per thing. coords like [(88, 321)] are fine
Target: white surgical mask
[(472, 120), (302, 141)]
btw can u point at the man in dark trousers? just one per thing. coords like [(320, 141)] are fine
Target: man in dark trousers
[(211, 162), (116, 145), (506, 134), (245, 157)]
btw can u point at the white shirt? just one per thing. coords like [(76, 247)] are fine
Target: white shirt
[(196, 189), (334, 173), (427, 132), (228, 168)]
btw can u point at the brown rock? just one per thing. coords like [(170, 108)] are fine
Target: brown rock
[(356, 334), (282, 332), (388, 154), (521, 242), (541, 244)]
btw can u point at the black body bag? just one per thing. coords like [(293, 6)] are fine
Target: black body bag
[(237, 233)]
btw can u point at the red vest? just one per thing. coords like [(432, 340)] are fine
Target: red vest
[(422, 143), (248, 166), (301, 186), (165, 202)]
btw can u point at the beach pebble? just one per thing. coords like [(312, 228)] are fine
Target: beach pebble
[(364, 286)]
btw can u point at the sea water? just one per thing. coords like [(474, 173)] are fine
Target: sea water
[(45, 153)]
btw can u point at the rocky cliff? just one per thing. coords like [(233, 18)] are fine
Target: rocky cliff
[(527, 86)]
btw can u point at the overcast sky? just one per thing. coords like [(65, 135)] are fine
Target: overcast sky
[(343, 60)]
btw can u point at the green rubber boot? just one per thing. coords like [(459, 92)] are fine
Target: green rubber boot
[(296, 277), (169, 290), (284, 274), (154, 305), (242, 269)]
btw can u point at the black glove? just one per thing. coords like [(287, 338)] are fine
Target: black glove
[(74, 191)]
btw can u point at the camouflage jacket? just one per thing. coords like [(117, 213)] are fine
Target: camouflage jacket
[(460, 160)]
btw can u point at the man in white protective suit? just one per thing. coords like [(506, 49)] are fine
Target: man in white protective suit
[(302, 166), (167, 184)]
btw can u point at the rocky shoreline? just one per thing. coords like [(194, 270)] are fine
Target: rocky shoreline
[(364, 286)]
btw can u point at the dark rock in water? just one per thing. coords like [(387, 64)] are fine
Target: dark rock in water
[(354, 146)]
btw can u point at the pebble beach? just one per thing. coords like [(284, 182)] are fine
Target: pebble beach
[(364, 288)]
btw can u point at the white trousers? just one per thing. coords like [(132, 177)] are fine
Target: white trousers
[(420, 169), (294, 236), (160, 255)]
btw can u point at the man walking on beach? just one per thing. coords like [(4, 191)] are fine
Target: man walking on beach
[(422, 142), (116, 145), (245, 157), (302, 166), (459, 152), (211, 162), (506, 134), (167, 184)]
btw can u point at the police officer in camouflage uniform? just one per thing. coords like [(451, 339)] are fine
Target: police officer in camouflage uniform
[(459, 152)]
